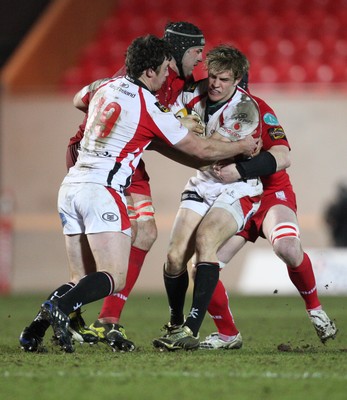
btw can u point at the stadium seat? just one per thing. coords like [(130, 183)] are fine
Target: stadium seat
[(286, 41)]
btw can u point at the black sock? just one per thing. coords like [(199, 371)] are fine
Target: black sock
[(92, 287), (176, 288), (63, 289), (40, 326), (206, 279)]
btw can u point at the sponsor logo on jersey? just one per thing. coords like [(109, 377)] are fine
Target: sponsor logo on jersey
[(161, 107), (122, 89), (270, 119), (277, 133), (110, 217), (232, 133)]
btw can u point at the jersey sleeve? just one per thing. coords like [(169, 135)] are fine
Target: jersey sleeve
[(169, 128), (88, 91), (272, 132)]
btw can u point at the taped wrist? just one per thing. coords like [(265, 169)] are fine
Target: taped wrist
[(262, 165)]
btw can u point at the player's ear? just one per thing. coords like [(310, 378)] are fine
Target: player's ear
[(237, 81), (149, 72)]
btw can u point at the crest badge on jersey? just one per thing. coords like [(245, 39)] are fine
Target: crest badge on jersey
[(281, 195)]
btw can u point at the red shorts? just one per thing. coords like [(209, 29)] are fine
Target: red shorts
[(253, 228), (140, 181), (71, 154)]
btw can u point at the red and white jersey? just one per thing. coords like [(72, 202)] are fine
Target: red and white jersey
[(166, 95), (234, 119), (123, 118)]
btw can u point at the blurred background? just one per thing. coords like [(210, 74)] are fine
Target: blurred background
[(49, 49)]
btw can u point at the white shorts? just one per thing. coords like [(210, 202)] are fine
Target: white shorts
[(240, 199), (92, 208)]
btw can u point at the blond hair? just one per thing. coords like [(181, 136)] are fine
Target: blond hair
[(227, 58)]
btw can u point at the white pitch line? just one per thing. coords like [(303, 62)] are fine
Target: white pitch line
[(189, 375)]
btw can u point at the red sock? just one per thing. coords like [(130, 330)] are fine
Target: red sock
[(113, 305), (304, 280), (220, 312)]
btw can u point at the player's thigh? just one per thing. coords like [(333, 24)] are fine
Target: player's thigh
[(278, 214), (230, 248), (80, 258), (111, 252), (217, 226)]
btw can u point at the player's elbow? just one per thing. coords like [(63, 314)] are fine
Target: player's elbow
[(286, 161)]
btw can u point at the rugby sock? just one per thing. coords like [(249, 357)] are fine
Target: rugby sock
[(206, 279), (41, 325), (176, 289), (90, 288), (113, 305), (220, 312), (304, 280), (63, 289)]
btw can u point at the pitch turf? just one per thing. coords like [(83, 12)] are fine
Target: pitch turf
[(307, 370)]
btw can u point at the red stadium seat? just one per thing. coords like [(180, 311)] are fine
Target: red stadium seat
[(291, 41)]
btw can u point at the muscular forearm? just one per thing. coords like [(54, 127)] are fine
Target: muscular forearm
[(178, 156), (213, 150), (281, 154)]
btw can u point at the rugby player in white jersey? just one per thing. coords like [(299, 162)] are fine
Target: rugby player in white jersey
[(124, 116)]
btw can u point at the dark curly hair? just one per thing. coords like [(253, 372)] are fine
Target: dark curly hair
[(146, 52)]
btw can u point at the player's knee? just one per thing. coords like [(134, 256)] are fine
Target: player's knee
[(148, 229), (289, 251), (174, 263), (119, 282), (285, 239), (147, 233)]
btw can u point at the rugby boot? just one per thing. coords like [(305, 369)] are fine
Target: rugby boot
[(113, 335), (60, 323), (323, 325)]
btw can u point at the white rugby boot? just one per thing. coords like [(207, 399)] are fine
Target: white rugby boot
[(214, 342), (323, 325)]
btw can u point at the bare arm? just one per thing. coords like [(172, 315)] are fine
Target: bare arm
[(176, 155), (86, 94), (281, 154), (214, 150), (78, 103)]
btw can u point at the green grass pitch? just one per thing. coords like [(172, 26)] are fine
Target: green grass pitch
[(308, 370)]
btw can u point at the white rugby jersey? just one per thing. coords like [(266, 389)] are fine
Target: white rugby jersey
[(237, 118), (123, 118)]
